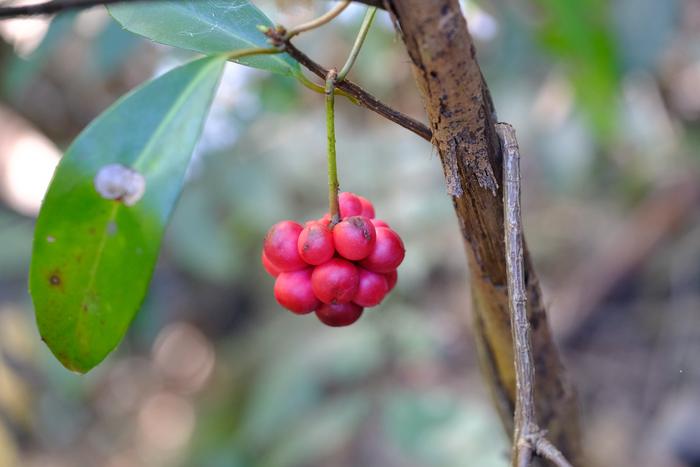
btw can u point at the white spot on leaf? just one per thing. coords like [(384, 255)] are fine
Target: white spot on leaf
[(118, 182), (111, 228), (50, 239)]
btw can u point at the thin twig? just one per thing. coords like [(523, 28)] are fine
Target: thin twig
[(320, 21), (53, 7), (359, 40), (57, 6), (547, 450), (517, 298), (377, 3), (527, 437), (364, 98)]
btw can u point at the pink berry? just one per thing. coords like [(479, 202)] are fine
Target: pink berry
[(294, 292), (316, 243), (325, 220), (341, 314), (280, 246), (269, 267), (379, 223), (367, 207), (372, 288), (387, 254), (391, 279), (354, 237), (349, 205), (335, 281)]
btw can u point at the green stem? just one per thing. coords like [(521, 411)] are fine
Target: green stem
[(240, 53), (320, 21), (333, 185), (310, 84), (321, 90), (359, 40), (236, 54)]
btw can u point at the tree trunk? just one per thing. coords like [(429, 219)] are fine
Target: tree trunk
[(462, 119)]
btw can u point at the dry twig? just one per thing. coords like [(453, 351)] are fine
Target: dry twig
[(363, 98), (52, 7), (527, 436)]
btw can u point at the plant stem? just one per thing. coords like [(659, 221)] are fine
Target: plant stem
[(333, 185), (528, 438), (359, 40), (321, 90), (320, 21), (52, 7), (363, 98), (240, 53)]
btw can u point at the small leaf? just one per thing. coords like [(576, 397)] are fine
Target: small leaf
[(94, 252), (206, 26)]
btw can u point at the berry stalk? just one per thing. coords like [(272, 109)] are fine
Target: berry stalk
[(359, 40), (333, 185), (320, 21)]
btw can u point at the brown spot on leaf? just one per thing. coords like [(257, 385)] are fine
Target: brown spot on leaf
[(55, 279)]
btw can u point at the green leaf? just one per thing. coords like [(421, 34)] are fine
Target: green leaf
[(93, 257), (206, 26)]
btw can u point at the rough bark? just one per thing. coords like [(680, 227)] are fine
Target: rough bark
[(462, 120)]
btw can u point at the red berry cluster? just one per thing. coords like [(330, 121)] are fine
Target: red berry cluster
[(335, 271)]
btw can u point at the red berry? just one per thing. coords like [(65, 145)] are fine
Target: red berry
[(387, 254), (280, 246), (391, 279), (367, 207), (354, 237), (316, 243), (294, 292), (341, 314), (269, 267), (349, 205), (372, 288), (379, 223), (335, 281), (325, 220)]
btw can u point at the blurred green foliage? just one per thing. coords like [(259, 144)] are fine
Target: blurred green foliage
[(19, 72), (579, 34), (214, 373)]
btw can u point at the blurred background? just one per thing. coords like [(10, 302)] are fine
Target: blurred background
[(605, 97)]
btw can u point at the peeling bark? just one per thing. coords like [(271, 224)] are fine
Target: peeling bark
[(462, 119)]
